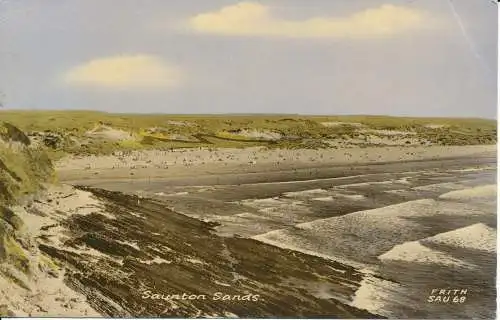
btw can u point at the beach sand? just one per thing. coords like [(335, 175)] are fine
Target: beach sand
[(192, 162)]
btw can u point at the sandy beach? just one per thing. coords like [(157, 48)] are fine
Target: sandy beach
[(188, 162)]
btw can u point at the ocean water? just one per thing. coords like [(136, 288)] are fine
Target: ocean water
[(436, 256), (443, 238)]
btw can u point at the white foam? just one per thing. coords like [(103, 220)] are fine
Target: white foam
[(316, 180), (262, 202), (414, 251), (280, 207), (249, 215), (323, 199), (396, 191), (364, 184), (364, 235), (476, 193), (304, 193), (163, 194), (477, 237), (286, 209), (351, 196), (441, 186), (417, 207), (372, 295), (324, 291), (485, 168)]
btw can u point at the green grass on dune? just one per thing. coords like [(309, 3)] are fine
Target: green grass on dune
[(80, 121), (217, 130), (23, 170)]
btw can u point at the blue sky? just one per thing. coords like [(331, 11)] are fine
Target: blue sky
[(397, 57)]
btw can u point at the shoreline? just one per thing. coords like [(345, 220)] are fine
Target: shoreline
[(156, 165), (278, 176)]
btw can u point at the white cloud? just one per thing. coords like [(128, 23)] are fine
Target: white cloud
[(254, 19), (125, 71)]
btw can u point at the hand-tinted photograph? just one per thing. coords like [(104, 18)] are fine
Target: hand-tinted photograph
[(248, 159)]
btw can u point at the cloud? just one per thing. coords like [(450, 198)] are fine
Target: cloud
[(254, 19), (125, 71)]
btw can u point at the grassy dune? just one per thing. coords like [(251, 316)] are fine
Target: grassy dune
[(23, 168), (68, 131)]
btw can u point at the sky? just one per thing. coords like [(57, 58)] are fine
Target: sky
[(394, 57)]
